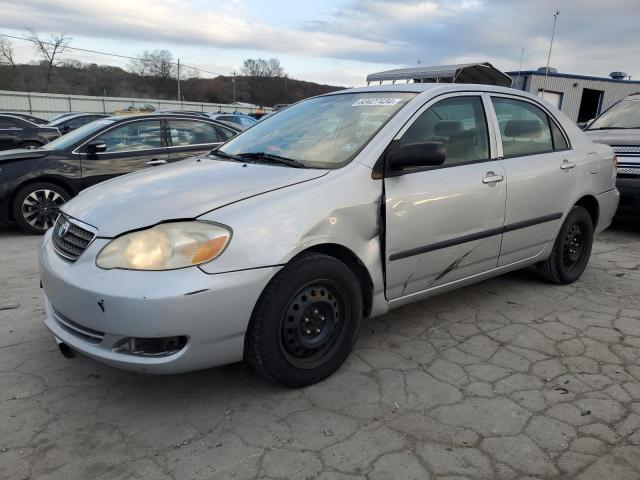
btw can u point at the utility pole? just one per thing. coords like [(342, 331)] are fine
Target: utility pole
[(520, 68), (179, 98), (233, 80), (553, 32)]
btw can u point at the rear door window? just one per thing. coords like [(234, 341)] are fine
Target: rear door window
[(190, 132), (524, 128)]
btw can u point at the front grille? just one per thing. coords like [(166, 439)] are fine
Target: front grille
[(74, 241), (628, 170), (85, 333), (626, 149)]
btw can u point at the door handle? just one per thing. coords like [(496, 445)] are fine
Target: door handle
[(567, 165), (492, 178), (155, 161)]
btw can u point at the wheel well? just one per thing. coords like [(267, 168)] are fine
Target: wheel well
[(350, 259), (590, 204), (35, 180)]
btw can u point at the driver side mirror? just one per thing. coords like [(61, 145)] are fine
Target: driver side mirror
[(415, 155), (65, 129), (97, 146)]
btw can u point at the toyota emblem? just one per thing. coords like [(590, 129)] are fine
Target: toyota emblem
[(64, 228)]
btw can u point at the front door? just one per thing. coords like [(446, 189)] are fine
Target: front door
[(445, 223), (541, 176), (131, 146)]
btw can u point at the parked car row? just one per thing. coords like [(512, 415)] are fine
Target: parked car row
[(37, 181)]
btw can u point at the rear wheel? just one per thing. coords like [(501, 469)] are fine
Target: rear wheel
[(36, 206), (571, 250), (306, 321)]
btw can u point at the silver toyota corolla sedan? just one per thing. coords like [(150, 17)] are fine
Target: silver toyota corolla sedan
[(275, 246)]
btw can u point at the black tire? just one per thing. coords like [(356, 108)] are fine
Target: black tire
[(31, 144), (571, 250), (306, 321), (35, 206)]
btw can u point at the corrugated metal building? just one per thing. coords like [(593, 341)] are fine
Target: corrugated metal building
[(579, 97), (47, 105)]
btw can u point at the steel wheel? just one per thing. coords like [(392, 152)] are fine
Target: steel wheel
[(312, 324), (571, 249), (41, 207), (573, 246)]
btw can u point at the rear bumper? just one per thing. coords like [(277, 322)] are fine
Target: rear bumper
[(94, 311), (608, 204), (629, 187)]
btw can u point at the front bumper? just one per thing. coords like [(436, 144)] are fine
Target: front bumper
[(629, 187), (94, 310)]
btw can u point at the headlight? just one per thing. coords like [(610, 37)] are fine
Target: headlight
[(166, 247)]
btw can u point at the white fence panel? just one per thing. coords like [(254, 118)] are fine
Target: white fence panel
[(48, 105)]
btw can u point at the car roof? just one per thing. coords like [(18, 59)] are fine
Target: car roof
[(118, 118), (2, 114)]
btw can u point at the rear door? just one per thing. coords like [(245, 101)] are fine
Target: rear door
[(445, 223), (541, 175), (131, 146), (189, 138)]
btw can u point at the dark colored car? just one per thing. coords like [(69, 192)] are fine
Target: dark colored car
[(16, 132), (35, 182), (619, 127), (71, 122), (238, 118), (30, 118)]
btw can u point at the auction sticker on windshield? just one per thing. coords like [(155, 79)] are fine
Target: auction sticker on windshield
[(366, 102)]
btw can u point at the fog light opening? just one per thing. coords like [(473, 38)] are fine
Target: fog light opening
[(151, 347), (66, 350)]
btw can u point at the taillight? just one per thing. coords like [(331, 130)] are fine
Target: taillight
[(615, 161)]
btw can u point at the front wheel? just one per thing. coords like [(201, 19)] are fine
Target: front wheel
[(306, 321), (37, 205), (571, 250)]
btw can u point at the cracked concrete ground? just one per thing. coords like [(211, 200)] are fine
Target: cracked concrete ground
[(510, 378)]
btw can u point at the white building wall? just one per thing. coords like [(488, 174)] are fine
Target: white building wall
[(571, 88)]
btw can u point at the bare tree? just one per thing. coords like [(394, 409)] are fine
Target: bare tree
[(157, 64), (260, 74), (7, 54), (50, 49)]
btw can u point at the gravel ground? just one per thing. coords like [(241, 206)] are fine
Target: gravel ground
[(510, 378)]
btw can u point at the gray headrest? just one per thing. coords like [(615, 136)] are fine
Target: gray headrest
[(523, 129), (446, 128)]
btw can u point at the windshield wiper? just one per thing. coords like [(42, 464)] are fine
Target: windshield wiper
[(272, 158), (220, 153)]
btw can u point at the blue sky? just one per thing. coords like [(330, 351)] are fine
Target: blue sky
[(340, 41)]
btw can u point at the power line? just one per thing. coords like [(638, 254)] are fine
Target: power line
[(111, 54)]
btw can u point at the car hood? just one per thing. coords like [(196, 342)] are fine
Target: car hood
[(615, 137), (181, 190), (21, 154)]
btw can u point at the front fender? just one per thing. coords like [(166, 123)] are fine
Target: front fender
[(340, 208)]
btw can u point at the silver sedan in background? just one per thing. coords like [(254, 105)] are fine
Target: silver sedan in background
[(276, 245)]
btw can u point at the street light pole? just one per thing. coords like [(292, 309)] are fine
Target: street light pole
[(178, 79), (553, 32), (520, 68), (233, 80)]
